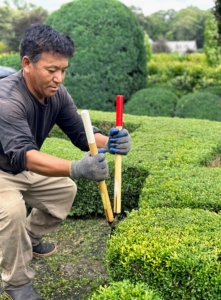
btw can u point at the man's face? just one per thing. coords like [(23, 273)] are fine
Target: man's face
[(44, 77)]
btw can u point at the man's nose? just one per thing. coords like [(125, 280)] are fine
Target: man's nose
[(59, 77)]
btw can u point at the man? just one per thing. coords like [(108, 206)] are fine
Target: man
[(31, 102)]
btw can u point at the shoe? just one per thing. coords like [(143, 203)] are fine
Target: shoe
[(26, 293), (43, 250)]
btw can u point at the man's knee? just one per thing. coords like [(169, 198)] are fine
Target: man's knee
[(12, 211), (70, 190)]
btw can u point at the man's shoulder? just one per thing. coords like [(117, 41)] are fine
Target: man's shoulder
[(11, 84)]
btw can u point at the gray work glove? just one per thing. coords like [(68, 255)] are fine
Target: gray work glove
[(119, 142), (90, 167)]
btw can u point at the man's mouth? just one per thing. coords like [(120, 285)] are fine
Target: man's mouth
[(53, 88)]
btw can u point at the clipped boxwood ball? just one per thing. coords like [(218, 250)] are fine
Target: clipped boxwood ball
[(110, 57), (215, 90), (154, 101), (199, 105)]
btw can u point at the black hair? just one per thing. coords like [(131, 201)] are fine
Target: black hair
[(39, 38)]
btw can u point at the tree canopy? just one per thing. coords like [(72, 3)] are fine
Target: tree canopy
[(184, 25), (14, 17)]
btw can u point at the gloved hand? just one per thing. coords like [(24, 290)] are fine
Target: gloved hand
[(90, 167), (119, 142)]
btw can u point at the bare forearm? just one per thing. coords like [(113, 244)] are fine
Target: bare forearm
[(47, 165), (100, 140)]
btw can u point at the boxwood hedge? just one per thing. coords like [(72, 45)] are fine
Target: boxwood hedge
[(214, 89), (176, 251), (186, 187), (171, 242)]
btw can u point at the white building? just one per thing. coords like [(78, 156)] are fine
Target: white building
[(182, 46)]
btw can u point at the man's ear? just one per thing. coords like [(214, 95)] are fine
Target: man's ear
[(26, 63)]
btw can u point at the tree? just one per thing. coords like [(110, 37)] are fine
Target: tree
[(160, 23), (13, 21), (156, 24), (110, 56), (20, 21), (189, 24), (217, 14), (211, 48), (186, 24), (6, 15), (148, 46), (21, 5), (144, 21), (160, 46)]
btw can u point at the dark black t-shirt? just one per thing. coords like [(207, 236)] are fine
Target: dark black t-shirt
[(25, 122)]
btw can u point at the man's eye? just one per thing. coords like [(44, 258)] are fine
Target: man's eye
[(51, 71)]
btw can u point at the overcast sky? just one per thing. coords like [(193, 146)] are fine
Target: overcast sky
[(148, 7)]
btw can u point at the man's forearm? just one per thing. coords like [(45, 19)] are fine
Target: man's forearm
[(100, 140), (47, 165)]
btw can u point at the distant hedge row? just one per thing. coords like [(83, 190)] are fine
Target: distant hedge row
[(11, 60), (186, 73), (162, 101)]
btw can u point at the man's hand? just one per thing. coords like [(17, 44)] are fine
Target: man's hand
[(119, 142), (90, 167)]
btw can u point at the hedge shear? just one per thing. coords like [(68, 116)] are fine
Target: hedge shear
[(110, 217)]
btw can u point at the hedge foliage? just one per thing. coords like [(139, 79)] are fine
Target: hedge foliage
[(110, 56), (162, 150), (88, 199), (199, 105), (156, 101), (176, 251), (11, 60), (187, 187), (185, 73), (125, 290), (171, 242)]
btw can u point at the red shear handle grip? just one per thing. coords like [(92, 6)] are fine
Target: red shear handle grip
[(119, 110), (118, 158)]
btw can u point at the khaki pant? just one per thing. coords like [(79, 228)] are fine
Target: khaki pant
[(51, 199)]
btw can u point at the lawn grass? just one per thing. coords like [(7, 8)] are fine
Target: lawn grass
[(77, 269)]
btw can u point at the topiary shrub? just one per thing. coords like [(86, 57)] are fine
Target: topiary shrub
[(155, 101), (215, 90), (110, 56), (199, 106)]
